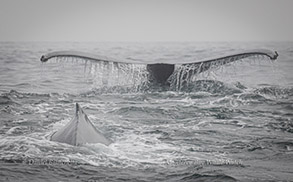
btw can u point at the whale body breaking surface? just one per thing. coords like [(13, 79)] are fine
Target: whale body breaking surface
[(80, 130)]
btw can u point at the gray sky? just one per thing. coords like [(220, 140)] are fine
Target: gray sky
[(146, 20)]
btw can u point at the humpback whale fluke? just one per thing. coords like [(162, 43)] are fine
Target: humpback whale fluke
[(161, 72), (79, 130)]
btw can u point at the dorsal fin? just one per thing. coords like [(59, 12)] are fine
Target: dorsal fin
[(79, 130)]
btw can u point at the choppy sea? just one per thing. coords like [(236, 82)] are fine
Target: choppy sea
[(233, 123)]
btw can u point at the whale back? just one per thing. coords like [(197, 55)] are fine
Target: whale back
[(79, 130)]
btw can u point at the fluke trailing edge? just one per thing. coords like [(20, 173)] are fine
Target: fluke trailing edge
[(79, 130), (160, 72)]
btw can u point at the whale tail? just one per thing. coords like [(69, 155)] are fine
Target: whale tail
[(170, 74), (79, 130)]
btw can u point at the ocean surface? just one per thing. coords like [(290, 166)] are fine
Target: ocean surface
[(231, 123)]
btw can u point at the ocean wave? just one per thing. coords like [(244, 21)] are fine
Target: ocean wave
[(275, 92), (208, 177)]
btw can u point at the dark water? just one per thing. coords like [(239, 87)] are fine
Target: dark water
[(229, 124)]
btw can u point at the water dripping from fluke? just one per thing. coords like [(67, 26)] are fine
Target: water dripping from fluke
[(139, 76)]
